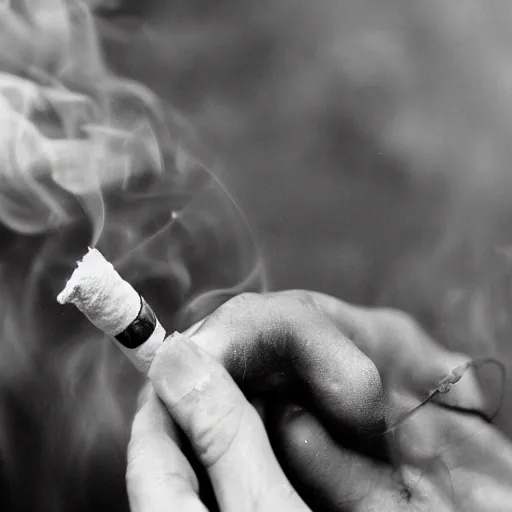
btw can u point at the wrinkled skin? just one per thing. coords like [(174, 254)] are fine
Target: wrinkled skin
[(325, 377)]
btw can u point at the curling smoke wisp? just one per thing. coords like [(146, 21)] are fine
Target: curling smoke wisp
[(91, 159)]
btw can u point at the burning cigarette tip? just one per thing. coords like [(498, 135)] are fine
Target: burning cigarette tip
[(112, 305), (92, 263), (99, 292)]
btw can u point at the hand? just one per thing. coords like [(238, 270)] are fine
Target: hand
[(270, 342), (225, 432), (448, 459)]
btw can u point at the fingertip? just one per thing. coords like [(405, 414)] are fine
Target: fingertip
[(369, 414), (330, 475), (301, 440)]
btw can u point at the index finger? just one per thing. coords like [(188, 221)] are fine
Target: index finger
[(283, 339), (404, 353), (158, 475)]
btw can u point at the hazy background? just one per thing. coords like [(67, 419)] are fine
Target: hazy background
[(369, 144), (367, 141)]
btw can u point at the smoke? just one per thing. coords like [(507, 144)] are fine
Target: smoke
[(368, 140), (376, 133), (88, 158)]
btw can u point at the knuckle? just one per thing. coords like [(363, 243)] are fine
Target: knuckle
[(150, 462), (241, 301), (280, 309), (239, 309), (301, 296), (213, 439), (294, 308), (362, 398), (302, 302), (398, 320), (364, 385), (143, 483), (371, 397), (371, 383)]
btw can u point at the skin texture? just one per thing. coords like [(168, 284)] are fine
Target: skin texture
[(327, 379)]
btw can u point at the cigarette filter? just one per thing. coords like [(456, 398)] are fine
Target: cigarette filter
[(113, 306)]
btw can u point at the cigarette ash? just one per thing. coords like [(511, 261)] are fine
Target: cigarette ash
[(101, 294)]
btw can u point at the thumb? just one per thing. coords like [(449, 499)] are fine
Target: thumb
[(225, 431)]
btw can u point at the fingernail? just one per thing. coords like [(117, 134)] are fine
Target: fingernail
[(179, 367)]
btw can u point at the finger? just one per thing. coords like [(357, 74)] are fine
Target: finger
[(337, 479), (461, 440), (462, 453), (331, 477), (158, 476), (280, 339), (389, 337), (225, 431), (404, 353)]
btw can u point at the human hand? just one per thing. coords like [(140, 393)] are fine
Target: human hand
[(224, 430), (446, 456), (271, 342)]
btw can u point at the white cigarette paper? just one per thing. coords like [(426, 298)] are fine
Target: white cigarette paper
[(110, 303)]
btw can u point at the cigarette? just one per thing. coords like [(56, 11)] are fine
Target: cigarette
[(113, 306)]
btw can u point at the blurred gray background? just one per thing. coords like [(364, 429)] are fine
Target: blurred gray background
[(367, 141)]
